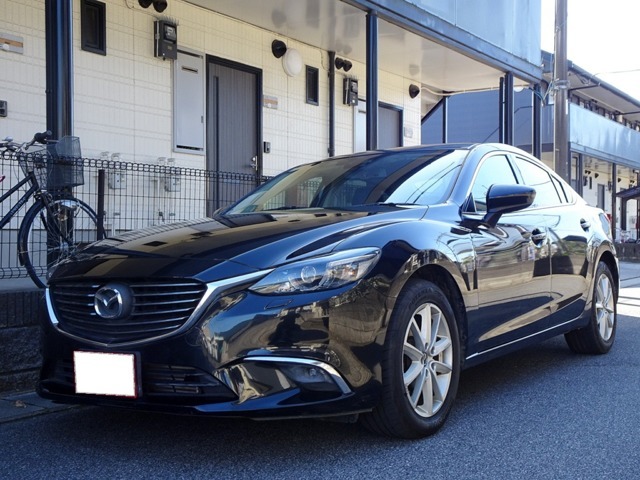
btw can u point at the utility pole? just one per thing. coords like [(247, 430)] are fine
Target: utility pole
[(560, 91)]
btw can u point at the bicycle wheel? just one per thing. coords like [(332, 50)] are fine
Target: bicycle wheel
[(50, 234)]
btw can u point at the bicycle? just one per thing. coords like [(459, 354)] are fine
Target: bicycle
[(57, 224)]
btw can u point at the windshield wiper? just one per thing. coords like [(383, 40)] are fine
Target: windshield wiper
[(288, 207), (387, 204)]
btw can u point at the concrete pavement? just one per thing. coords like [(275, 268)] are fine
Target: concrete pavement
[(629, 298), (17, 406)]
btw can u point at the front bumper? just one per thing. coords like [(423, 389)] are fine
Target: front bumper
[(246, 355), (258, 387)]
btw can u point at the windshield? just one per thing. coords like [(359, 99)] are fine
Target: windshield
[(401, 177)]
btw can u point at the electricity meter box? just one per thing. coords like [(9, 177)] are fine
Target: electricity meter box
[(166, 39), (350, 86)]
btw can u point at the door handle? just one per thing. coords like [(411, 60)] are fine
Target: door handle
[(254, 163), (586, 225), (538, 237)]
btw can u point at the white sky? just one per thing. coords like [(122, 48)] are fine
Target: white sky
[(602, 39)]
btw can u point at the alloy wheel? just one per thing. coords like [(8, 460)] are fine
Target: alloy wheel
[(427, 360), (605, 308)]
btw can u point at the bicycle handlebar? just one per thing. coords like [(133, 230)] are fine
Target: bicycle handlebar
[(39, 137)]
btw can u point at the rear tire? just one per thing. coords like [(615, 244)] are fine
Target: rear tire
[(47, 237), (420, 366), (598, 336)]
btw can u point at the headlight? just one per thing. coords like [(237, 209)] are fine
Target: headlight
[(319, 273)]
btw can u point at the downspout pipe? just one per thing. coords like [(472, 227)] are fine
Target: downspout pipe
[(59, 66)]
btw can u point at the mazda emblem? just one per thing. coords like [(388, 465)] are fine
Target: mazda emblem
[(113, 301)]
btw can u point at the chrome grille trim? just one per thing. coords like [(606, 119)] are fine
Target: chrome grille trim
[(153, 333)]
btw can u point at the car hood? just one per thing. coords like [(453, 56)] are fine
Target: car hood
[(225, 246)]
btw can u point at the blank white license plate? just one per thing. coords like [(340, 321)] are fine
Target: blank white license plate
[(99, 373)]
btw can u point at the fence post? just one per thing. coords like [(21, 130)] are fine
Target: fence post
[(100, 208)]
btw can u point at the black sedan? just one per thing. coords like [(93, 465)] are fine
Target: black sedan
[(354, 287)]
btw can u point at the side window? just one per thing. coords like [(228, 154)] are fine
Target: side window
[(493, 170), (536, 177)]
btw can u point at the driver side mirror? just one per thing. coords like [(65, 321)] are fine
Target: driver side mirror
[(503, 199)]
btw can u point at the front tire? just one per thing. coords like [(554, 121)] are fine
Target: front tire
[(598, 336), (421, 365)]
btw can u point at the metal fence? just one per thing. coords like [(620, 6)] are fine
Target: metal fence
[(127, 196)]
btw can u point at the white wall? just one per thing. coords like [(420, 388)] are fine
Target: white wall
[(123, 101), (22, 76)]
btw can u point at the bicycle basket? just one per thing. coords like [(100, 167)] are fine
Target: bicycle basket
[(65, 167), (35, 161)]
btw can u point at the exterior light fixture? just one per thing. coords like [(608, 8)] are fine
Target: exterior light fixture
[(292, 62), (278, 48), (342, 64), (291, 58), (159, 5)]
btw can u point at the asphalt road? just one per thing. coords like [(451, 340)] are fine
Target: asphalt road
[(543, 413)]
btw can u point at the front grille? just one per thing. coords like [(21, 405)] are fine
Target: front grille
[(159, 308)]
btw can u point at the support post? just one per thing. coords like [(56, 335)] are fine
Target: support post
[(501, 111), (332, 103), (614, 213), (372, 80), (579, 174), (508, 108), (561, 85), (445, 120), (59, 66), (536, 147), (100, 209)]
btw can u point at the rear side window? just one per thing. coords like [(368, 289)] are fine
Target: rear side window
[(536, 177), (561, 191)]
